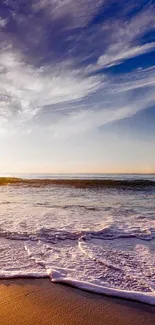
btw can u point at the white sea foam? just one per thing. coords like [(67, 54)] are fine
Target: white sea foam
[(22, 274), (148, 298), (86, 265), (98, 240)]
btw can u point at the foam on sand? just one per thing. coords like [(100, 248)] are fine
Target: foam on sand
[(148, 298)]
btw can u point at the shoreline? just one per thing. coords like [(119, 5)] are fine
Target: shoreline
[(34, 301)]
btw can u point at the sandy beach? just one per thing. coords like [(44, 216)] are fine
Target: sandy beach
[(38, 301)]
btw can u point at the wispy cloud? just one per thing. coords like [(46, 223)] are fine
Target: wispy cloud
[(82, 120), (79, 13), (140, 78), (124, 39), (25, 90), (3, 22), (113, 57), (48, 68)]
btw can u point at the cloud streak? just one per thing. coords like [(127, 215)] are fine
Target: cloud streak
[(51, 73), (79, 12), (25, 90), (114, 58), (3, 22)]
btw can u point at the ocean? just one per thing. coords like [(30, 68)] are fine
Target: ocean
[(94, 232)]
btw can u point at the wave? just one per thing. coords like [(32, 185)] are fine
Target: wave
[(49, 261), (66, 207), (57, 277), (54, 236), (79, 183), (144, 297), (22, 274)]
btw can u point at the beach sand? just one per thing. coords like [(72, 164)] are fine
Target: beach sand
[(40, 302)]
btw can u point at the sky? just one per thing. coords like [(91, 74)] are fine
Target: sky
[(77, 86)]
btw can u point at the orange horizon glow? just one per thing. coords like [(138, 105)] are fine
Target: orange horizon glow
[(79, 171)]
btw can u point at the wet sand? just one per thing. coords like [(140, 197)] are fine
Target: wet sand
[(40, 302)]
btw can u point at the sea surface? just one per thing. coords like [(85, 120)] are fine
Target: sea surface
[(94, 232)]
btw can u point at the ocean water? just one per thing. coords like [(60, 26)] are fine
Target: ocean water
[(96, 232)]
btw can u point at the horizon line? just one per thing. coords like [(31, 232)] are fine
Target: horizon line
[(83, 173)]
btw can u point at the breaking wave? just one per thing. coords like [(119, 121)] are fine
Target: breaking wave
[(80, 183), (73, 232), (53, 236), (94, 261)]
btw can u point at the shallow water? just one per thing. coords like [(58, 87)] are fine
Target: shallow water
[(98, 238)]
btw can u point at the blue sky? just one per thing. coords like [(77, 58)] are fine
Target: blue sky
[(77, 86)]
